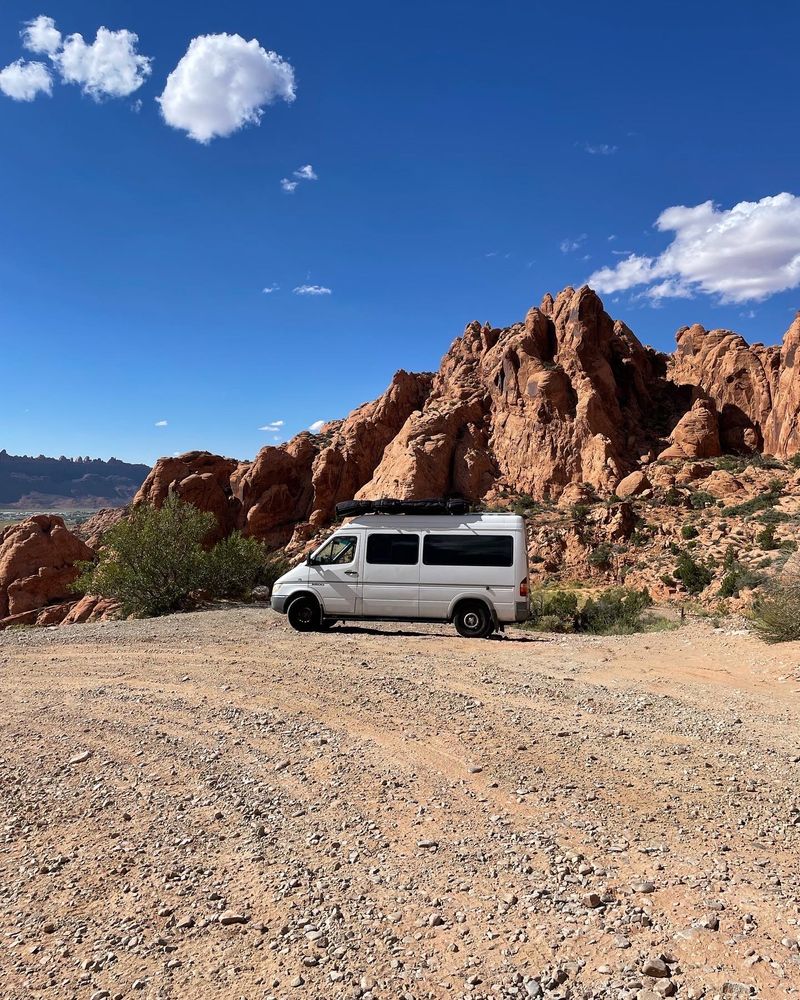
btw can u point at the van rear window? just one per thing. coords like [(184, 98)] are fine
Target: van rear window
[(393, 550), (468, 550)]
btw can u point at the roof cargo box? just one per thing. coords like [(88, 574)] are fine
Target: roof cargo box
[(351, 508)]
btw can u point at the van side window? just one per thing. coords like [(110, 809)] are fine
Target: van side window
[(339, 551), (472, 550), (393, 550)]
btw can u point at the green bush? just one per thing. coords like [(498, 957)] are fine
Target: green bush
[(766, 539), (776, 614), (689, 531), (673, 497), (699, 499), (273, 566), (693, 575), (600, 556), (154, 562), (617, 610), (730, 585), (559, 609), (763, 501), (234, 566)]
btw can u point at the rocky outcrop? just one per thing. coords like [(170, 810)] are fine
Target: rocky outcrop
[(37, 564), (696, 435), (199, 478), (738, 378), (782, 429), (558, 399), (634, 484)]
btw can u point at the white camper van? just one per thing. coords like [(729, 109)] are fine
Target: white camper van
[(471, 569)]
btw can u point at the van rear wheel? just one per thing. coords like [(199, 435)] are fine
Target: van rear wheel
[(304, 614), (473, 620)]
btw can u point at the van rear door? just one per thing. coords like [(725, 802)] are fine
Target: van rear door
[(390, 579)]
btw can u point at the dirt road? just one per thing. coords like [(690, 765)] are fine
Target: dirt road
[(210, 805)]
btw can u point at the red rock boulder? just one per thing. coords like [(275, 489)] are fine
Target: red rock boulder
[(37, 564)]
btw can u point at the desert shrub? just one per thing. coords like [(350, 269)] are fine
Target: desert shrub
[(692, 574), (580, 512), (667, 580), (525, 505), (274, 565), (730, 585), (776, 613), (617, 610), (794, 461), (535, 560), (764, 501), (600, 556), (689, 531), (766, 539), (554, 611), (699, 499), (153, 560), (673, 497), (234, 566)]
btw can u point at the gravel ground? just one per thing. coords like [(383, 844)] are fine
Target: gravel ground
[(210, 805)]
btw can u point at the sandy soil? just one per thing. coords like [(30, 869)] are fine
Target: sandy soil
[(211, 805)]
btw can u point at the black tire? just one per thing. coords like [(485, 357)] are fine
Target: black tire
[(326, 623), (304, 614), (473, 620)]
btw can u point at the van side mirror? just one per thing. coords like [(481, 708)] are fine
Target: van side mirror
[(310, 561)]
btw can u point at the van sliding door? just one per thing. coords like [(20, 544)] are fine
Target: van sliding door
[(390, 581)]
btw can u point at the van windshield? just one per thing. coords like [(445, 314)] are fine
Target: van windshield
[(336, 551)]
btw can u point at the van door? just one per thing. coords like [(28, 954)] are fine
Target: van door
[(390, 585), (333, 574)]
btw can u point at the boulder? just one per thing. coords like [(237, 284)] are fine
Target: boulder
[(37, 564), (696, 435), (632, 485), (722, 484)]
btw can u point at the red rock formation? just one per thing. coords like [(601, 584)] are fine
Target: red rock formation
[(37, 564), (200, 478), (559, 399), (782, 431), (696, 435), (737, 378)]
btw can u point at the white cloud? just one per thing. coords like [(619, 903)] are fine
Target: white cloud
[(306, 173), (223, 83), (23, 81), (742, 254), (312, 290), (317, 426), (287, 185), (571, 245), (109, 67), (41, 35), (600, 149), (269, 289), (160, 423), (272, 426)]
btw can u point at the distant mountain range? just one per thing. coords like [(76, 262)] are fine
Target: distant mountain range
[(41, 483)]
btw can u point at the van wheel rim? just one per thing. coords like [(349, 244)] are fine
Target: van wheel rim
[(472, 620), (304, 615)]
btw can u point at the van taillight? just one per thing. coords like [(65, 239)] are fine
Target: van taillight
[(523, 588)]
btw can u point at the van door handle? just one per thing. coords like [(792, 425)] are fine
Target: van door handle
[(350, 572)]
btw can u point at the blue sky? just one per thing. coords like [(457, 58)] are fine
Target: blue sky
[(468, 158)]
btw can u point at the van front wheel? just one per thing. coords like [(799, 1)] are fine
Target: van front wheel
[(304, 614), (473, 620)]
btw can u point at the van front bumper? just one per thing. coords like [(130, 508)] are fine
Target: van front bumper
[(278, 603)]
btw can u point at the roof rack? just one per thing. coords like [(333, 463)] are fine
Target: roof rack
[(451, 505)]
